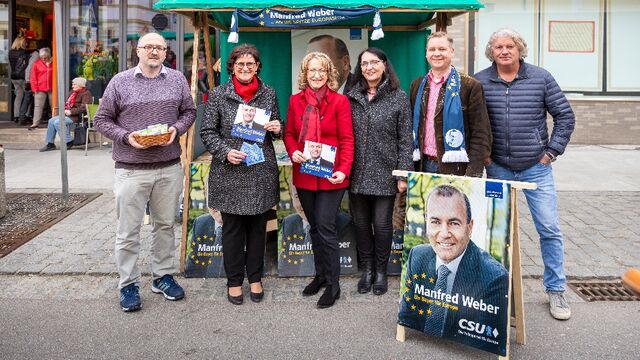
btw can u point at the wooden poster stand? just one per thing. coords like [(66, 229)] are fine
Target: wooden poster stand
[(515, 271)]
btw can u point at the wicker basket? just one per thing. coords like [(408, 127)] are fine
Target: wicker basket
[(152, 140)]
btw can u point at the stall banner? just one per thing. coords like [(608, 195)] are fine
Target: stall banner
[(455, 281), (313, 16)]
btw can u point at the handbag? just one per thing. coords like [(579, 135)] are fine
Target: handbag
[(79, 135)]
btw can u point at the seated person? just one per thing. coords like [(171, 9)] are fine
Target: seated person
[(75, 106)]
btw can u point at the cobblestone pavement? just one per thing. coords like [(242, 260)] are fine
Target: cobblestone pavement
[(601, 232), (89, 287)]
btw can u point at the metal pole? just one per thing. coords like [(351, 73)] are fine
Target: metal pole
[(58, 21)]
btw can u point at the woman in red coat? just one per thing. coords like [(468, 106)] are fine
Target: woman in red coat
[(319, 114)]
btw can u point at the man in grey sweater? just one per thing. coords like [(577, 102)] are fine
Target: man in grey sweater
[(146, 95)]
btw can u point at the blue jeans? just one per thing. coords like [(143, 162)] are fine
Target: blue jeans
[(429, 166), (543, 205), (54, 127)]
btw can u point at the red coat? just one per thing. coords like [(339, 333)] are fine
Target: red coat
[(41, 78), (336, 130)]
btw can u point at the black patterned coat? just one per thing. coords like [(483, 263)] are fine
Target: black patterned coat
[(382, 130), (239, 189)]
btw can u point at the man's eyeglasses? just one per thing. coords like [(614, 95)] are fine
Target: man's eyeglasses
[(241, 65), (317, 71), (150, 48), (372, 63)]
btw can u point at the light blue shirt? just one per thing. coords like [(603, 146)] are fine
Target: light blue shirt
[(453, 268)]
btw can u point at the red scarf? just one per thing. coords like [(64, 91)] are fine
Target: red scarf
[(246, 91), (72, 99), (311, 117)]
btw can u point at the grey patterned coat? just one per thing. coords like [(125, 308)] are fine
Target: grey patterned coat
[(383, 138), (239, 189)]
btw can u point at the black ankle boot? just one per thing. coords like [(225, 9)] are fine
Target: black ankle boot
[(380, 284), (314, 286), (329, 297), (364, 285)]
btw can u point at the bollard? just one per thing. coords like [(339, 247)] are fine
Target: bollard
[(3, 190)]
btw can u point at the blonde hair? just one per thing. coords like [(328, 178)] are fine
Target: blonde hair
[(521, 44), (19, 43), (441, 34), (332, 72)]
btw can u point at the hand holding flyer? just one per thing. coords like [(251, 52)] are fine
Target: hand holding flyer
[(320, 159), (249, 123)]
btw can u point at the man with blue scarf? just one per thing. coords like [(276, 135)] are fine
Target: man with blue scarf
[(451, 129)]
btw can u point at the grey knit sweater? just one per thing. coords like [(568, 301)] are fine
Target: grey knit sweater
[(132, 102)]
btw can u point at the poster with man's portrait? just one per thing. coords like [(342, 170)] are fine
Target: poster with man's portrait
[(320, 159), (455, 279), (341, 45), (249, 123)]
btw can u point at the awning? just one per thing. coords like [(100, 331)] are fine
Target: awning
[(393, 13)]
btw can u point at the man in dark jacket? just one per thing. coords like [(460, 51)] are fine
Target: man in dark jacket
[(451, 127), (518, 97)]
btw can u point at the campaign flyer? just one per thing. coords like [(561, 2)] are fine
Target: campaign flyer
[(320, 159), (249, 123)]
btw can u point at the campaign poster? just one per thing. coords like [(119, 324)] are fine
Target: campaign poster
[(249, 123), (394, 267), (455, 281), (204, 257), (341, 45), (320, 159), (295, 248)]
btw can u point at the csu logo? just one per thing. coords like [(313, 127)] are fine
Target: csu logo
[(344, 245), (478, 328)]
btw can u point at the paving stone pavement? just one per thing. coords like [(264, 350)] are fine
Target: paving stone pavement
[(600, 235)]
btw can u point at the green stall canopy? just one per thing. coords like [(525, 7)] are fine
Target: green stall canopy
[(404, 23)]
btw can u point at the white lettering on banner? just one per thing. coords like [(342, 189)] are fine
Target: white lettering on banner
[(437, 295), (209, 248), (321, 12), (468, 301), (300, 247)]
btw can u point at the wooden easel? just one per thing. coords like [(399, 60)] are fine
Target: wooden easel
[(515, 270)]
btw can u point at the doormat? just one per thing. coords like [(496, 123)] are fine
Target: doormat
[(29, 214)]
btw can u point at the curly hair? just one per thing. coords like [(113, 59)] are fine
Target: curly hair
[(241, 50), (521, 44), (332, 72)]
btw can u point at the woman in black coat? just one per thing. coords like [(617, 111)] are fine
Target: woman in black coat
[(243, 193), (383, 143)]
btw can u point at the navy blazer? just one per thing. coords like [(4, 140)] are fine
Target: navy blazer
[(479, 276)]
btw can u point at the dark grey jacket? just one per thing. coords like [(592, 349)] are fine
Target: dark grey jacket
[(383, 139), (518, 114), (239, 189)]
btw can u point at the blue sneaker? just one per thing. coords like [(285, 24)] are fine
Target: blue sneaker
[(168, 287), (130, 298)]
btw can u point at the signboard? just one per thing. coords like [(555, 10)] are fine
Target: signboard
[(455, 281)]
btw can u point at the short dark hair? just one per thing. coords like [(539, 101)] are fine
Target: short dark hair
[(448, 191), (341, 47), (241, 50), (389, 72)]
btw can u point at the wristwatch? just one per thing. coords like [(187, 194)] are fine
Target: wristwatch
[(552, 157)]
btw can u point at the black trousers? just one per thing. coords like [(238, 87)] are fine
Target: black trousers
[(240, 232), (321, 207), (372, 216), (26, 108)]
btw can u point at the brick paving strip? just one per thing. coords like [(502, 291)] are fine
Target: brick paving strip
[(601, 234)]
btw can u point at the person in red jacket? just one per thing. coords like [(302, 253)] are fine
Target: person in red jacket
[(41, 84), (317, 113)]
